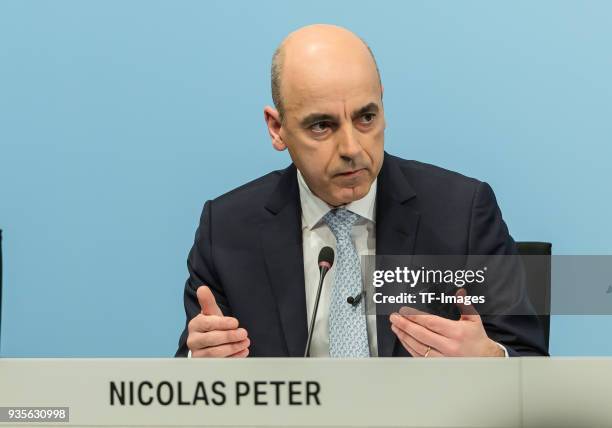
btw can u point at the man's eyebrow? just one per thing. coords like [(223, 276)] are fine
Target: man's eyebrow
[(368, 108), (318, 117), (325, 117)]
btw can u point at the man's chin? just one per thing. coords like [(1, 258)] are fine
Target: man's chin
[(350, 194)]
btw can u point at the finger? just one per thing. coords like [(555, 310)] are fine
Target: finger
[(242, 354), (408, 348), (417, 346), (203, 323), (222, 350), (422, 334), (468, 312), (410, 311), (432, 352), (435, 323), (197, 340), (207, 301)]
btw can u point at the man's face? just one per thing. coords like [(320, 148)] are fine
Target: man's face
[(334, 128)]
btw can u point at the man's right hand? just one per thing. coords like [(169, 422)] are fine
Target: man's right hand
[(211, 334)]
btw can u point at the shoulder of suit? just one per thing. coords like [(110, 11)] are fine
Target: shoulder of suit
[(424, 174), (248, 194)]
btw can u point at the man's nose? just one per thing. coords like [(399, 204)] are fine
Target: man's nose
[(348, 143)]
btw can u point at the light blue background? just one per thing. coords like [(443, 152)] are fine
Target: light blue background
[(119, 119)]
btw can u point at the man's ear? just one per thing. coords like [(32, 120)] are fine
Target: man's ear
[(273, 122)]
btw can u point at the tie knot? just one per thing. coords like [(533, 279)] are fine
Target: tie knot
[(340, 221)]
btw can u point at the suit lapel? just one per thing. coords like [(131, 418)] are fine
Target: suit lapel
[(396, 227), (281, 236)]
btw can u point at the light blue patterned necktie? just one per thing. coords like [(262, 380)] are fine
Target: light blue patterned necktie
[(348, 334)]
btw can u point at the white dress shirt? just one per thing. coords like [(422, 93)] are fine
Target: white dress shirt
[(316, 235)]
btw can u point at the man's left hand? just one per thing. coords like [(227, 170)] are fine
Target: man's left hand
[(423, 334)]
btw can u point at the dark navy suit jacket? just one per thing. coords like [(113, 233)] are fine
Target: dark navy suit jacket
[(248, 250)]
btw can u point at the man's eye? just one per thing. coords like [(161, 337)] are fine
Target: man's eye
[(319, 127), (367, 118)]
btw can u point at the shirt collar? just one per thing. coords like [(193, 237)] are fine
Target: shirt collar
[(314, 208)]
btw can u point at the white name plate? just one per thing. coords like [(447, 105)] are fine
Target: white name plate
[(487, 392)]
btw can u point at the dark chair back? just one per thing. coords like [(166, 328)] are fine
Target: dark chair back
[(538, 273)]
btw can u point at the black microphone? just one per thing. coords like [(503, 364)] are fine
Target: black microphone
[(326, 260), (354, 301)]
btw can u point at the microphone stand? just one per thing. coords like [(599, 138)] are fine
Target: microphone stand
[(323, 271)]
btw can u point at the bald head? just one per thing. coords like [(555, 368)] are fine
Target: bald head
[(329, 113), (314, 52)]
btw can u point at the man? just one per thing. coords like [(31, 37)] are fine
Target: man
[(253, 267)]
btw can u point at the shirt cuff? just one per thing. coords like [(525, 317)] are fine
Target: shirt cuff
[(498, 344)]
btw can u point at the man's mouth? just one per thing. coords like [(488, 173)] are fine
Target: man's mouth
[(351, 173)]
